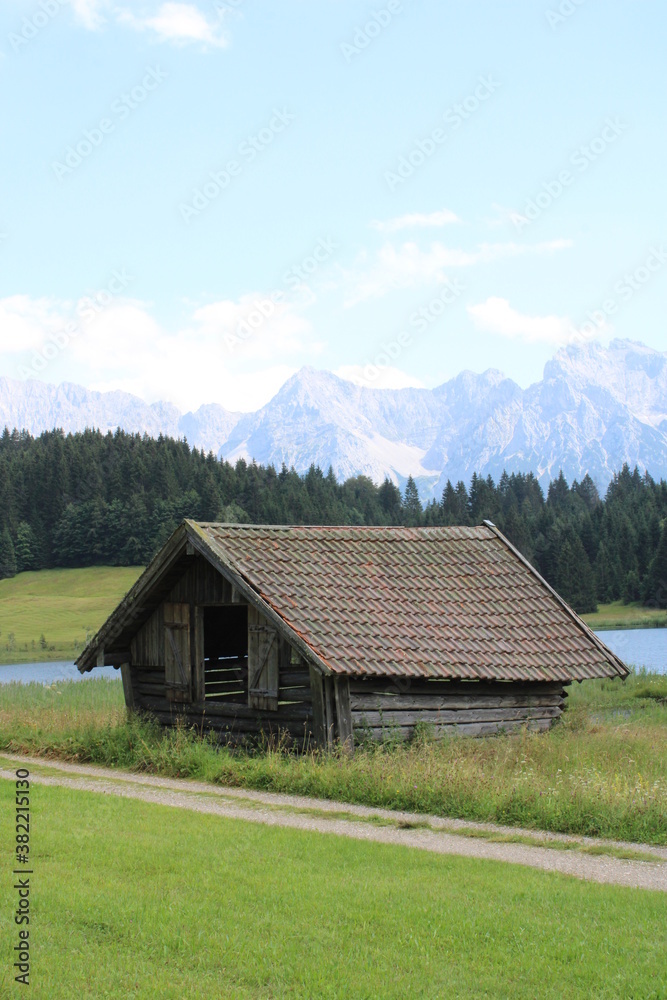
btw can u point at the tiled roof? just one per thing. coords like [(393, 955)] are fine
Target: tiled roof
[(415, 602)]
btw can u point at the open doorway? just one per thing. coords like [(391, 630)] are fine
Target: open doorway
[(226, 653)]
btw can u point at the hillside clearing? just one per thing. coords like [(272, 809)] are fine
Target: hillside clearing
[(65, 606)]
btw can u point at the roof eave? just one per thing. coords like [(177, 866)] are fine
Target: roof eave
[(125, 611)]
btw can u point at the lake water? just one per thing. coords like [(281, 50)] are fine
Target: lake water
[(47, 673), (638, 647)]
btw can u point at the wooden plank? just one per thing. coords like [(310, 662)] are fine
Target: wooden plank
[(238, 710), (468, 729), (246, 727), (405, 702), (295, 678), (415, 685), (319, 709), (295, 694), (343, 713), (379, 719), (126, 676)]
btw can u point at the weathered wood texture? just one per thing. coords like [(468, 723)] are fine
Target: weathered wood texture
[(177, 651), (381, 710), (202, 584), (263, 662), (147, 646)]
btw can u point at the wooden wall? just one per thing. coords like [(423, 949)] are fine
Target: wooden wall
[(383, 709)]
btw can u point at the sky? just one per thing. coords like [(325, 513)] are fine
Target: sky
[(200, 198)]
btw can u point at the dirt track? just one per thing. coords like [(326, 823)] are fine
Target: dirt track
[(428, 833)]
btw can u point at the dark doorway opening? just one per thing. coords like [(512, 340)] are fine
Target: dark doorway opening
[(226, 653)]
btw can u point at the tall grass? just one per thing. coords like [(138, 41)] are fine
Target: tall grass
[(600, 771)]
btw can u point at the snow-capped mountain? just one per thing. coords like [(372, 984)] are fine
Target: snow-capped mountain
[(39, 406), (595, 409)]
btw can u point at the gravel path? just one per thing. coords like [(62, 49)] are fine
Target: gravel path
[(429, 833)]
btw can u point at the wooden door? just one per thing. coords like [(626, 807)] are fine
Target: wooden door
[(177, 657), (263, 662)]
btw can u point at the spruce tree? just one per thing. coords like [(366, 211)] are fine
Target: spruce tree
[(412, 505), (7, 555), (655, 586)]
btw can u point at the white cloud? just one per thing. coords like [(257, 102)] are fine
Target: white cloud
[(408, 265), (417, 220), (179, 23), (89, 12), (378, 377), (237, 353), (26, 324), (496, 315)]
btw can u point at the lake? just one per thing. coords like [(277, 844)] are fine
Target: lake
[(638, 647), (47, 673)]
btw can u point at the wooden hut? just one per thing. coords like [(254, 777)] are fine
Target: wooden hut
[(327, 633)]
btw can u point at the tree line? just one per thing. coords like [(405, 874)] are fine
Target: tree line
[(113, 499)]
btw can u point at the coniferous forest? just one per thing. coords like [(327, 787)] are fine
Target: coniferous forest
[(113, 499)]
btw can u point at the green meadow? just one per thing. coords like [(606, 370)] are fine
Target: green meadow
[(49, 615), (136, 900)]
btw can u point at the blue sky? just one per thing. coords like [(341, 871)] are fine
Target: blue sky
[(199, 198)]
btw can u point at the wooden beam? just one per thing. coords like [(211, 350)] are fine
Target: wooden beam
[(344, 714), (329, 712), (319, 710), (116, 659), (128, 691)]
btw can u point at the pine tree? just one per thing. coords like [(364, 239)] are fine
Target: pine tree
[(7, 555), (655, 586), (25, 547), (412, 505)]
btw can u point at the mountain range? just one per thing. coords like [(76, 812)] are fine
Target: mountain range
[(595, 408)]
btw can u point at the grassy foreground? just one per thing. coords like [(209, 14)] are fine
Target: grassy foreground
[(139, 900), (602, 771), (64, 605)]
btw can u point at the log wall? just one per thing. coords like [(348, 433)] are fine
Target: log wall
[(233, 721), (384, 709)]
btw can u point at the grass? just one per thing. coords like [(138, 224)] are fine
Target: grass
[(64, 605), (600, 772), (618, 615), (135, 900)]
